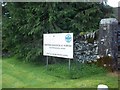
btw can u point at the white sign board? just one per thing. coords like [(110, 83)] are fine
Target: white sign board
[(58, 45)]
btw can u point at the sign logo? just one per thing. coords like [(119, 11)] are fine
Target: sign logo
[(68, 38)]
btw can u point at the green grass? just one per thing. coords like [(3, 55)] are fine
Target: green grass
[(17, 74)]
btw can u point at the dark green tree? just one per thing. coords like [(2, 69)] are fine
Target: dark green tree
[(25, 23)]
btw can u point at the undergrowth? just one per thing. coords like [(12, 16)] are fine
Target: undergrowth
[(76, 71)]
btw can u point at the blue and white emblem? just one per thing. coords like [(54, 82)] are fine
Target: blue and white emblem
[(68, 38)]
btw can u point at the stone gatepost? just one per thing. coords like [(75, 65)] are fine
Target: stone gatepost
[(108, 45)]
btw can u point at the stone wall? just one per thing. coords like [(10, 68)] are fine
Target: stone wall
[(86, 48), (100, 46)]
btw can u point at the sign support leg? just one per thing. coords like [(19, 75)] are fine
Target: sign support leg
[(47, 62), (69, 64)]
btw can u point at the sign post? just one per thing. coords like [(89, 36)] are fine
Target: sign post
[(58, 45), (47, 62), (69, 64)]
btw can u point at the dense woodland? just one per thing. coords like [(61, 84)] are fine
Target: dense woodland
[(25, 23)]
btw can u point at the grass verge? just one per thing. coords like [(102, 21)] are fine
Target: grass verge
[(17, 74)]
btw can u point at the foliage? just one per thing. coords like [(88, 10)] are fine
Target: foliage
[(25, 23)]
